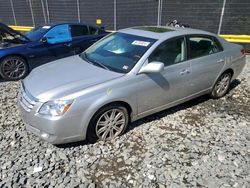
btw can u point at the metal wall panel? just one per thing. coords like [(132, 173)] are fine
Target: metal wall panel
[(136, 13), (22, 11), (90, 10), (198, 14), (38, 12), (237, 17), (6, 15), (63, 11)]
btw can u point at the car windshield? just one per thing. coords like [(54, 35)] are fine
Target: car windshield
[(37, 33), (118, 52)]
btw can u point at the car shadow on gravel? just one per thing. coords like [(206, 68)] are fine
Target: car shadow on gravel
[(157, 115), (2, 80), (73, 144)]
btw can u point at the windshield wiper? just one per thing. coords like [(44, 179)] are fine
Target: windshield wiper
[(94, 62)]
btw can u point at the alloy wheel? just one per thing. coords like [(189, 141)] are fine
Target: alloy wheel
[(14, 68), (222, 84), (110, 124)]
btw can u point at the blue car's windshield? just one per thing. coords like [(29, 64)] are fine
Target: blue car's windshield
[(37, 33), (118, 52)]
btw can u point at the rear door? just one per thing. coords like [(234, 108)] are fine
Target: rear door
[(156, 90), (207, 60)]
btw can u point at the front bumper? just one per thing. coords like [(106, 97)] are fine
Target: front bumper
[(59, 130)]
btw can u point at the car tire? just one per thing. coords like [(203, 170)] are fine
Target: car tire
[(221, 86), (106, 124), (13, 68)]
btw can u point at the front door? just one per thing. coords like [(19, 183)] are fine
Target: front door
[(59, 41), (56, 45), (156, 90)]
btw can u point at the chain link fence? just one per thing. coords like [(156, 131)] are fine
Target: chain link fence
[(218, 16)]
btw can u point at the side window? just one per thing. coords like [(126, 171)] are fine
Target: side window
[(79, 30), (170, 52), (58, 34), (202, 46), (92, 30)]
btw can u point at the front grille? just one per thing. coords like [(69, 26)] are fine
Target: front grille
[(26, 100)]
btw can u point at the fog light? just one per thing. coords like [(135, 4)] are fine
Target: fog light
[(45, 135)]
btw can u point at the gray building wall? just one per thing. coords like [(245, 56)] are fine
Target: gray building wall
[(203, 14)]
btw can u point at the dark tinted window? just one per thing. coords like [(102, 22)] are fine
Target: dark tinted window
[(202, 46), (154, 29), (79, 30), (170, 52), (92, 30)]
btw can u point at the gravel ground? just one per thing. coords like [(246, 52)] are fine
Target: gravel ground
[(202, 143)]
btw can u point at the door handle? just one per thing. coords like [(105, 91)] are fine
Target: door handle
[(186, 71), (94, 40), (220, 61), (68, 45)]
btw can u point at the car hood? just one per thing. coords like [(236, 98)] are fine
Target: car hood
[(64, 77), (17, 36)]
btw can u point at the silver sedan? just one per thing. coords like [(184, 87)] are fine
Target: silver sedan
[(125, 76)]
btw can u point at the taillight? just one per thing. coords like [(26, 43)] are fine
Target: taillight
[(243, 51)]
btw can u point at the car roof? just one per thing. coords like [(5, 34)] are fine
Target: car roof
[(69, 23), (159, 32)]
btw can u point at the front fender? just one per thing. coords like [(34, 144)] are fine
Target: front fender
[(94, 103)]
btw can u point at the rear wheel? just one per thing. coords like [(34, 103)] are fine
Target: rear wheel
[(222, 85), (13, 68), (109, 122)]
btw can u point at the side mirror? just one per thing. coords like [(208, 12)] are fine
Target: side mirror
[(153, 67), (44, 40)]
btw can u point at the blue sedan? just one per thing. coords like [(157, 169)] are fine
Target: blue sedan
[(19, 53)]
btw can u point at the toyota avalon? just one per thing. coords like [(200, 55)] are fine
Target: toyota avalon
[(125, 76)]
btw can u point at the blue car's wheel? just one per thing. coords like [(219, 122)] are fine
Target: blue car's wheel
[(13, 68)]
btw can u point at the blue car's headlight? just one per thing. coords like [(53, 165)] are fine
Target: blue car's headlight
[(55, 108)]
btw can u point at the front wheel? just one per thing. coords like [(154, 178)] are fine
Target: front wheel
[(109, 122), (13, 68), (222, 85)]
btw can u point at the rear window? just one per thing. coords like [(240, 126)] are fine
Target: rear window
[(203, 45), (79, 30), (92, 31)]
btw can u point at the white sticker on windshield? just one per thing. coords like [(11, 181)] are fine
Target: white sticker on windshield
[(140, 43), (46, 27), (125, 67)]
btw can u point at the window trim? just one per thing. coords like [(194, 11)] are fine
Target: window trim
[(213, 38), (167, 40)]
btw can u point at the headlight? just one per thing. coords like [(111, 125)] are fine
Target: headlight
[(55, 108)]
